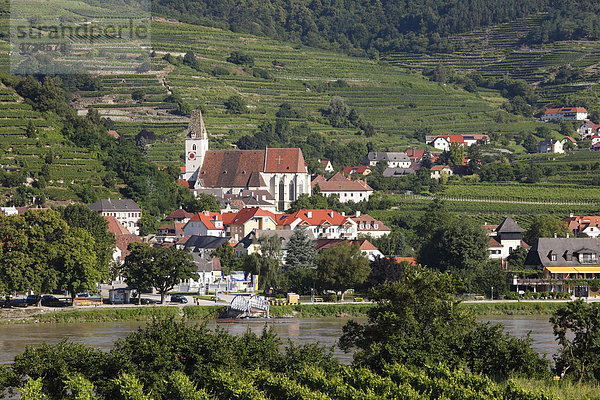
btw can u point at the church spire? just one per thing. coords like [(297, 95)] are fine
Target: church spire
[(196, 128)]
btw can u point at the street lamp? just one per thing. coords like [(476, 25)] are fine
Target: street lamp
[(492, 293)]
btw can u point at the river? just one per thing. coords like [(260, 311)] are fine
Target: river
[(326, 331)]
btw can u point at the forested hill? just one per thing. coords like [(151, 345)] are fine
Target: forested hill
[(386, 25)]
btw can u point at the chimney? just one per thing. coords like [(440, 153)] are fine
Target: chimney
[(357, 214), (571, 215), (206, 213), (555, 236), (309, 214), (343, 213), (331, 213)]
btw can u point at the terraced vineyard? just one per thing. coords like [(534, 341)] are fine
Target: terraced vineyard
[(70, 164), (496, 51), (396, 102)]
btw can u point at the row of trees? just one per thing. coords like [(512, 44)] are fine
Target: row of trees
[(46, 250), (417, 343)]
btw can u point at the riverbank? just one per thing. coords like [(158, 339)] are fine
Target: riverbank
[(194, 312)]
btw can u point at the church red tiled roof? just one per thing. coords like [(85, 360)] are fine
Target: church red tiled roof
[(284, 160)]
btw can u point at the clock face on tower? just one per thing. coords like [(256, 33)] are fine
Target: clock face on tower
[(191, 155)]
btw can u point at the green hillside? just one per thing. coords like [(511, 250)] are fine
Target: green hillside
[(394, 100)]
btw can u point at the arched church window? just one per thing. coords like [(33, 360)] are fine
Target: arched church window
[(193, 147), (292, 191), (281, 190)]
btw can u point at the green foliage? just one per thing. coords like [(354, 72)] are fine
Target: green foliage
[(157, 267), (545, 226), (300, 251), (417, 322), (342, 267), (454, 244), (236, 105), (229, 261), (577, 329), (32, 390), (237, 57)]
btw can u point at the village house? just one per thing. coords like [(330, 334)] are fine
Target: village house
[(551, 146), (437, 171), (415, 155), (205, 224), (565, 113), (179, 215), (589, 225), (565, 260), (327, 166), (327, 224), (208, 266), (396, 172), (366, 247), (251, 243), (344, 187), (367, 225), (393, 159), (504, 239), (359, 169), (170, 233), (126, 211), (443, 142), (588, 128), (281, 172), (243, 222)]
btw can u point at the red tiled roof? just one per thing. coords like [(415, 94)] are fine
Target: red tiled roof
[(410, 260), (232, 168), (284, 160), (367, 220), (207, 220), (323, 244), (490, 228), (439, 167), (324, 163), (121, 234), (179, 214), (566, 110), (452, 138), (570, 139), (177, 227), (183, 182), (313, 217), (113, 133), (415, 154), (245, 214), (494, 243), (359, 169), (339, 183)]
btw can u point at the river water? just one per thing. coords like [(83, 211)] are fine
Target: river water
[(326, 331)]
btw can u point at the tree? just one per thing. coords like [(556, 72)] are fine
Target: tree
[(148, 223), (31, 131), (78, 267), (577, 328), (161, 268), (416, 322), (227, 257), (190, 60), (300, 251), (545, 226), (530, 143), (460, 244), (342, 267), (138, 94), (204, 202), (235, 105), (516, 259), (338, 112), (80, 216)]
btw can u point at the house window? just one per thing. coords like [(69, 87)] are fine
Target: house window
[(553, 257), (375, 226), (587, 258)]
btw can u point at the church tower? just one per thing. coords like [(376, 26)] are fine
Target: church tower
[(196, 145)]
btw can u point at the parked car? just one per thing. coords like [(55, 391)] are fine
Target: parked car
[(178, 298), (145, 300), (32, 299), (50, 301)]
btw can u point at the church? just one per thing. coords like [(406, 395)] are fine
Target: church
[(281, 172)]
